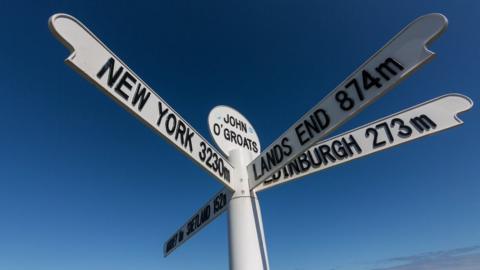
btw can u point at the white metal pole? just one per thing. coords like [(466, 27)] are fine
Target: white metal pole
[(245, 230), (263, 244)]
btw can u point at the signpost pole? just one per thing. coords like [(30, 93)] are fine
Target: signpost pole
[(258, 215), (247, 249)]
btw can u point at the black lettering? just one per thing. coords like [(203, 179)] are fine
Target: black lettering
[(338, 150), (171, 243), (422, 123), (293, 167), (188, 139), (255, 174), (233, 136), (124, 81), (216, 129), (278, 152), (180, 131), (255, 148), (311, 126), (247, 143), (314, 163), (285, 172), (357, 88), (191, 226), (322, 118), (205, 215), (264, 166), (244, 127), (404, 131), (352, 144), (286, 146), (384, 125), (300, 133), (369, 81), (140, 96), (219, 203), (387, 66), (345, 102), (240, 125), (303, 161), (209, 153), (226, 134), (374, 133), (171, 128), (162, 113), (180, 235), (325, 150), (318, 121), (112, 78), (239, 139)]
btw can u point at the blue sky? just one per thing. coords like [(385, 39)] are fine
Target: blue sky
[(84, 185)]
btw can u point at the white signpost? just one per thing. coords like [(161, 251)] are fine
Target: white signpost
[(294, 154)]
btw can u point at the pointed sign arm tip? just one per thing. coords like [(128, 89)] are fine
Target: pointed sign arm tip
[(458, 102), (429, 26), (57, 23)]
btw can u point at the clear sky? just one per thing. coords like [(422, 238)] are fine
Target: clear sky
[(84, 185)]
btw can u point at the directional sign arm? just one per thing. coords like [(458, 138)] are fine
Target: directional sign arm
[(211, 210), (402, 55), (92, 59), (425, 119)]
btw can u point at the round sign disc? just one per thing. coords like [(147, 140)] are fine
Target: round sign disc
[(231, 130)]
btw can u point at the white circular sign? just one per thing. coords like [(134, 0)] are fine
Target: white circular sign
[(231, 130)]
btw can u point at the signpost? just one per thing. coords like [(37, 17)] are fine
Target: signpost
[(425, 119), (294, 154), (400, 57)]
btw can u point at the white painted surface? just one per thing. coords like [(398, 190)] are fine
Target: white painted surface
[(246, 247), (92, 59), (402, 55), (442, 111)]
